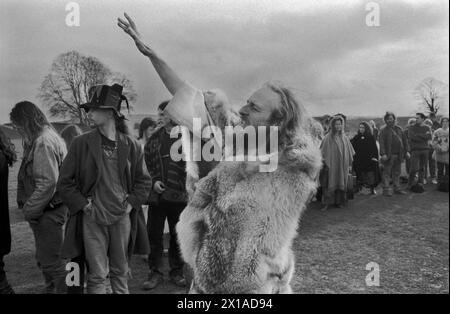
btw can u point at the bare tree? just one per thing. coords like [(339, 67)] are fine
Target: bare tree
[(67, 85), (431, 94)]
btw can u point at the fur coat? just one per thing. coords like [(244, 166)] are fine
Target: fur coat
[(237, 230)]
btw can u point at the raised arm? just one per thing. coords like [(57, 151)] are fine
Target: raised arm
[(169, 77)]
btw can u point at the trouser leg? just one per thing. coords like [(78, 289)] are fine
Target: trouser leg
[(440, 171), (408, 165), (388, 175), (175, 259), (118, 260), (415, 167), (156, 219), (49, 235), (96, 243), (387, 171), (396, 171), (431, 164), (423, 165)]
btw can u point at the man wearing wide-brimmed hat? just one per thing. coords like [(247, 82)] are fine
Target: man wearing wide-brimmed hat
[(104, 182)]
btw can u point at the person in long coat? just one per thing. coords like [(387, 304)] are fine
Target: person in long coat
[(337, 153), (7, 158), (365, 162)]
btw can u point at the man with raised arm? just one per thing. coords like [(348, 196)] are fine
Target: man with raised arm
[(210, 107), (237, 229)]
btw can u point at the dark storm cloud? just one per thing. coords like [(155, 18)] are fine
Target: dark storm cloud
[(322, 49)]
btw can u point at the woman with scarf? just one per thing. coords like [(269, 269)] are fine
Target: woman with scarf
[(365, 162), (337, 153)]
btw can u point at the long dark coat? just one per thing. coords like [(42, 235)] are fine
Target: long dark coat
[(79, 175), (365, 150)]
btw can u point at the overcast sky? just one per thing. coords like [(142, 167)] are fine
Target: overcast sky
[(322, 49)]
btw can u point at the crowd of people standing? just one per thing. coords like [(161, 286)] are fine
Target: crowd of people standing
[(50, 190), (375, 156), (231, 226)]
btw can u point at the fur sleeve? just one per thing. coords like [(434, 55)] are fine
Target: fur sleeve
[(192, 226)]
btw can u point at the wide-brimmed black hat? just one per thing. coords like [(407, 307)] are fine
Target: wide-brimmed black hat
[(105, 97)]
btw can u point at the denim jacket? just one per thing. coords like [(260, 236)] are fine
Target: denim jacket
[(39, 173)]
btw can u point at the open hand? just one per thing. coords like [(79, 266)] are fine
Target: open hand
[(130, 28)]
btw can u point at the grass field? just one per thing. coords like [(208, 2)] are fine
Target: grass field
[(407, 236)]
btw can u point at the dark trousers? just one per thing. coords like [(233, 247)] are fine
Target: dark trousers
[(431, 164), (408, 165), (48, 238), (391, 171), (419, 162), (155, 225), (442, 170), (366, 179)]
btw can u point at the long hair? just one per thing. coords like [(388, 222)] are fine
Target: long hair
[(121, 124), (290, 117), (7, 148), (333, 123), (317, 130), (70, 132), (367, 128), (28, 116), (144, 125)]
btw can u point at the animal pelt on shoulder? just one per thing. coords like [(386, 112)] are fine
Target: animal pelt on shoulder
[(237, 230)]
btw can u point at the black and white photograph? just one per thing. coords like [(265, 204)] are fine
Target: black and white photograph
[(240, 148)]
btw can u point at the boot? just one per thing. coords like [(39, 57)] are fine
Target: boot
[(154, 279), (177, 278)]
